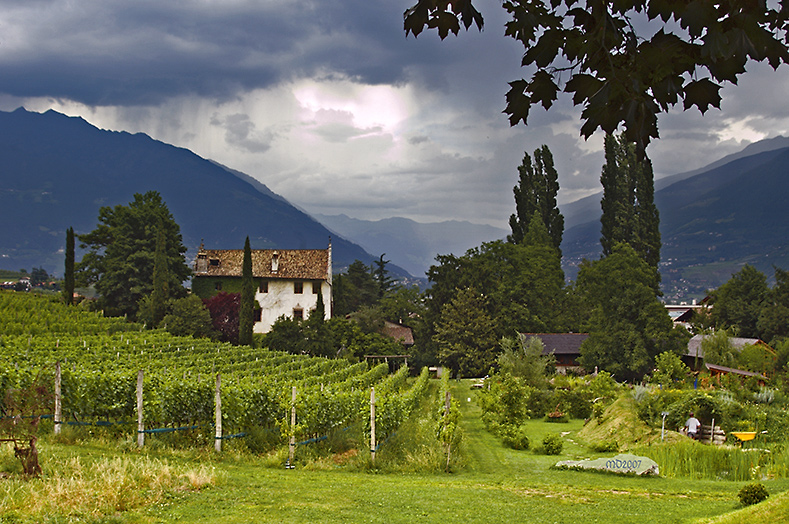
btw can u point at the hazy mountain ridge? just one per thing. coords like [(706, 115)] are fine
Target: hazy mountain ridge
[(588, 208), (409, 244), (57, 171), (711, 224)]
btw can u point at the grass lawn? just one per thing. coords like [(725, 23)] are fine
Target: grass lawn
[(496, 485)]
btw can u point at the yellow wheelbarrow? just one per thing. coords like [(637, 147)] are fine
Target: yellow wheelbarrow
[(744, 436)]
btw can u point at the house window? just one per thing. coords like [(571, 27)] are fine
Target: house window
[(298, 314), (274, 262), (214, 261), (263, 288), (316, 288), (258, 314), (298, 287)]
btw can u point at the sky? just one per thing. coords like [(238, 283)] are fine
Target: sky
[(331, 106)]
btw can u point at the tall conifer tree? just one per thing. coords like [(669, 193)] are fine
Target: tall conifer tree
[(381, 276), (161, 276), (246, 307), (68, 275), (537, 189), (629, 212)]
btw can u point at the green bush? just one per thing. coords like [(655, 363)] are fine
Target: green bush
[(604, 387), (514, 437), (540, 402), (576, 402), (505, 402), (597, 411), (605, 446), (558, 417), (552, 444), (752, 493)]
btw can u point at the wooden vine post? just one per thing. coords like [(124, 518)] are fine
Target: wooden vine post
[(447, 411), (58, 404), (218, 413), (140, 423), (292, 444), (372, 424)]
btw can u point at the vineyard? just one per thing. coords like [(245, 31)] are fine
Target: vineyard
[(100, 359)]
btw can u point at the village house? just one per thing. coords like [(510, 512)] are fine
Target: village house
[(287, 281), (565, 347), (694, 357)]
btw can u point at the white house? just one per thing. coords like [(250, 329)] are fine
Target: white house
[(288, 281)]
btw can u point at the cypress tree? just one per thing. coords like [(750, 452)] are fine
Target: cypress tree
[(68, 275), (161, 276), (318, 315), (246, 309)]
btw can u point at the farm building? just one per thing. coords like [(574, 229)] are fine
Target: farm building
[(287, 281)]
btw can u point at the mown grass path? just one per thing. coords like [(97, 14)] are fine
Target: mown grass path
[(496, 485)]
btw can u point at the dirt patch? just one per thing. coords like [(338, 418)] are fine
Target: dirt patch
[(343, 458)]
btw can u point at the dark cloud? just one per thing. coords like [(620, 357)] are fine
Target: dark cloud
[(174, 68), (241, 132), (116, 52), (121, 53)]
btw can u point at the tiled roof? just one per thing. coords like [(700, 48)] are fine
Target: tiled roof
[(561, 343), (307, 264), (401, 333)]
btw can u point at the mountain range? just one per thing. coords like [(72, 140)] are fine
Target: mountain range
[(712, 221), (57, 171)]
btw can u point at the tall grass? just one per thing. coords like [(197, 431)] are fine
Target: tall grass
[(699, 461), (74, 488)]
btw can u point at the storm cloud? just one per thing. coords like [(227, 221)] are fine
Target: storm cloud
[(330, 105)]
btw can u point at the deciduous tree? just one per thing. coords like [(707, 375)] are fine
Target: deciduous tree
[(223, 308), (624, 62), (538, 186), (773, 323), (521, 356), (628, 326), (188, 317), (120, 257), (466, 335), (738, 303)]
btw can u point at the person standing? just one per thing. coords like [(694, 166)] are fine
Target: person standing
[(692, 427)]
